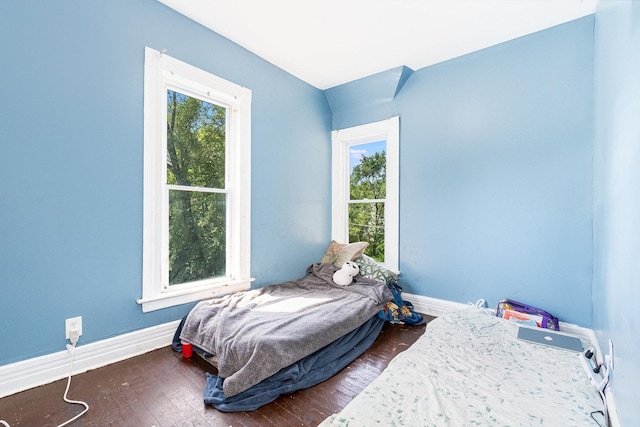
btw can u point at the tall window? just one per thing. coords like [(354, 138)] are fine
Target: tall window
[(365, 187), (367, 196), (196, 184)]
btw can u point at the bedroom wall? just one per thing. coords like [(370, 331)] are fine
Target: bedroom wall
[(72, 140), (495, 185), (616, 271)]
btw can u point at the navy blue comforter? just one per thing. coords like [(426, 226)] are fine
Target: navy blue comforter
[(309, 371)]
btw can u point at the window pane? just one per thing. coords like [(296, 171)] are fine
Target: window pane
[(368, 171), (366, 224), (197, 236), (195, 141)]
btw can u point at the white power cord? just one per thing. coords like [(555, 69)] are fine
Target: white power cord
[(72, 349), (481, 303), (598, 377)]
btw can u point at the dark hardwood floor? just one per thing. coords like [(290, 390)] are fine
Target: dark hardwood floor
[(162, 389)]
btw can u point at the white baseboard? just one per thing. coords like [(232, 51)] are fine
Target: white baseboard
[(614, 419), (432, 306), (45, 369), (437, 307)]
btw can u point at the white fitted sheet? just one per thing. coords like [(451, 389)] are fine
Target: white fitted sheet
[(469, 369)]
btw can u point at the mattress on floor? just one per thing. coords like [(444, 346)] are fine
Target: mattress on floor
[(470, 369)]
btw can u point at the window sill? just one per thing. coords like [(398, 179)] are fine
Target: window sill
[(173, 298)]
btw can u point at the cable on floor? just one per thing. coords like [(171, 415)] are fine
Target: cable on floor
[(72, 349)]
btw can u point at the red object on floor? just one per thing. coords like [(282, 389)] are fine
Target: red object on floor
[(187, 350)]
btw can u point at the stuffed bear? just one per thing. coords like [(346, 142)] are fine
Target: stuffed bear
[(345, 275)]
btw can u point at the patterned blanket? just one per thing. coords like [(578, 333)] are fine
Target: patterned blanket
[(470, 369)]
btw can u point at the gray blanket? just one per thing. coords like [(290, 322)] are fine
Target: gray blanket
[(256, 333)]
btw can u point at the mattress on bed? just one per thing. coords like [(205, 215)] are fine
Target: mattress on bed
[(308, 371), (254, 334), (469, 368)]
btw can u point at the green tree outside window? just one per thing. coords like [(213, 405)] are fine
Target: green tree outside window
[(367, 193), (197, 199)]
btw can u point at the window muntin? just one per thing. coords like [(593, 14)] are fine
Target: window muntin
[(366, 208), (197, 184)]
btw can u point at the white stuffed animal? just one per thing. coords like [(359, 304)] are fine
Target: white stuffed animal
[(345, 275)]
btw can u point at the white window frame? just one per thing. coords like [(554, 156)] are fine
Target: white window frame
[(162, 72), (342, 140)]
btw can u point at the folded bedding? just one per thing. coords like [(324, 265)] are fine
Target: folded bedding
[(257, 333), (307, 372)]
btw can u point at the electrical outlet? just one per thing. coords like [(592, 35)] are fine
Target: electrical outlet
[(73, 328)]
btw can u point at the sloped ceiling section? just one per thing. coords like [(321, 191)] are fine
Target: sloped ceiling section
[(376, 89), (330, 42)]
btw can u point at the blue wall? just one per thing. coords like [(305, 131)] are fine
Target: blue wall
[(72, 149), (616, 269), (495, 160)]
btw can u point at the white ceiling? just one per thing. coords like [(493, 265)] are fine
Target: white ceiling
[(330, 42)]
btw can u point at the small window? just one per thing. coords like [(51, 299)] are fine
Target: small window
[(365, 188), (367, 196), (196, 184)]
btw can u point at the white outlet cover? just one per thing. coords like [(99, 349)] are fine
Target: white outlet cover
[(69, 323), (611, 354)]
